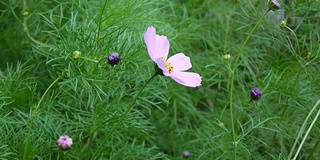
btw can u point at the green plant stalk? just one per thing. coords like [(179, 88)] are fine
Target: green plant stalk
[(232, 83), (295, 83), (124, 115), (296, 38), (308, 131), (299, 53), (91, 60), (301, 131), (33, 114), (24, 23)]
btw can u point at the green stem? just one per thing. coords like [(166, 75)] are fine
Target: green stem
[(232, 84), (295, 83), (308, 131), (24, 23), (123, 116), (296, 38), (301, 130), (91, 60), (299, 54), (33, 115)]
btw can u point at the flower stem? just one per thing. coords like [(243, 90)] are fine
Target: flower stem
[(123, 116), (297, 79), (232, 84), (24, 22), (33, 115), (303, 128), (297, 56), (296, 38), (91, 60)]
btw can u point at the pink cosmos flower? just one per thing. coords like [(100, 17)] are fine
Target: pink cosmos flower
[(175, 66)]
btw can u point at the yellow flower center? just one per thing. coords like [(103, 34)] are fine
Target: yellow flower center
[(168, 65)]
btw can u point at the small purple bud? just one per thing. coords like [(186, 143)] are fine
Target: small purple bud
[(114, 58), (65, 142), (186, 154), (256, 93), (274, 5)]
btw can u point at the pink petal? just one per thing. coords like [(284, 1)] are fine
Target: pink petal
[(189, 79), (162, 46), (149, 38), (162, 66), (158, 46), (180, 62)]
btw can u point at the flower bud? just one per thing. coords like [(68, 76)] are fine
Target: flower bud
[(64, 142), (226, 57), (255, 93), (76, 55), (309, 54), (114, 58), (25, 13), (283, 24), (274, 5), (186, 154)]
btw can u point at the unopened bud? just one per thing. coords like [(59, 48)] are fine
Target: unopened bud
[(226, 56), (186, 154), (65, 142), (274, 5), (76, 55), (255, 93), (114, 58), (283, 24), (25, 13)]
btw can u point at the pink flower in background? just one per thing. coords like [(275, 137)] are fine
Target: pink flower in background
[(65, 142), (175, 66)]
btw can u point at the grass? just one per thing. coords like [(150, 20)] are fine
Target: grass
[(109, 112)]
